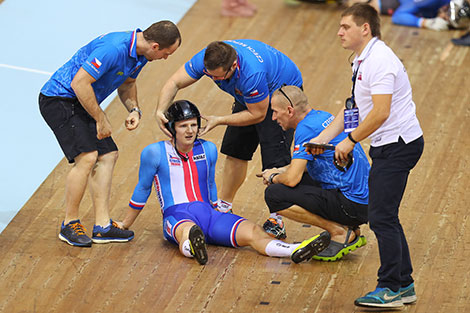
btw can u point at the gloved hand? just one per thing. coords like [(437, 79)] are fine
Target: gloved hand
[(436, 23)]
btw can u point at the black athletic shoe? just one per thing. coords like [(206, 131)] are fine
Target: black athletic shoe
[(462, 41), (198, 244), (310, 247), (74, 234), (111, 233)]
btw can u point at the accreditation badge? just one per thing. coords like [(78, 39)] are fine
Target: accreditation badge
[(351, 116)]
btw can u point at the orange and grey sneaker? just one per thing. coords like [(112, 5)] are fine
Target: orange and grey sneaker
[(111, 233), (198, 244), (74, 234), (275, 228)]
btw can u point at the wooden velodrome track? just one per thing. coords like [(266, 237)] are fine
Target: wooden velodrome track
[(40, 273)]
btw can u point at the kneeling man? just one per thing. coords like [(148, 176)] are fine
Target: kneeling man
[(329, 195)]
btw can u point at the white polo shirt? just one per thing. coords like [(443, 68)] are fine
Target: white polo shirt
[(381, 72)]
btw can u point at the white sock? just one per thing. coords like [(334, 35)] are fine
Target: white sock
[(280, 248), (223, 206), (187, 249)]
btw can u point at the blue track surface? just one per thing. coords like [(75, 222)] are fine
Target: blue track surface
[(38, 37)]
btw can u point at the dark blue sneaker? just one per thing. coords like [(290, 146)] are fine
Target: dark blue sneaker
[(111, 233), (462, 41), (408, 294), (74, 234), (381, 298)]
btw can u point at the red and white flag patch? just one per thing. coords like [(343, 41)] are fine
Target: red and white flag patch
[(96, 63)]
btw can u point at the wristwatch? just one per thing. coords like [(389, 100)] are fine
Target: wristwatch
[(136, 109), (271, 177), (351, 138)]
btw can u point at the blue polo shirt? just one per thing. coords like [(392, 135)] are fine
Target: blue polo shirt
[(110, 59), (353, 183), (261, 70)]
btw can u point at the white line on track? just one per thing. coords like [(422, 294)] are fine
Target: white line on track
[(31, 70)]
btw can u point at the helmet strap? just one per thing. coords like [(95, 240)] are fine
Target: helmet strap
[(182, 156)]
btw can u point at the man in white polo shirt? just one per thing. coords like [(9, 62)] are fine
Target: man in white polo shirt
[(381, 107)]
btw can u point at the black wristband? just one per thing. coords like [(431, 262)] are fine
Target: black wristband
[(351, 138), (271, 177)]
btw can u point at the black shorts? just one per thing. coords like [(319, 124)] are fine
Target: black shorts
[(73, 127), (241, 142), (330, 204)]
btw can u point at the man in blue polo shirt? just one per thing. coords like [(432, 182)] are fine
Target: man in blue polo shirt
[(332, 197), (69, 103), (250, 71)]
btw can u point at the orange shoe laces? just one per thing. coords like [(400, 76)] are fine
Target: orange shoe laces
[(275, 222), (78, 229)]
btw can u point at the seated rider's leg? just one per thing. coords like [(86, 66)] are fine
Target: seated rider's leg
[(250, 234), (182, 235), (178, 222)]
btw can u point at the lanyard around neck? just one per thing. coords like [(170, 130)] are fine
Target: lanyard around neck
[(359, 62)]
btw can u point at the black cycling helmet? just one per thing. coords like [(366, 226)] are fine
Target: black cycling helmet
[(179, 111)]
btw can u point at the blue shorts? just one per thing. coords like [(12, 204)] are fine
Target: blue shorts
[(219, 228)]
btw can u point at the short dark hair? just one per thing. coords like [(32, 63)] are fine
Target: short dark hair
[(219, 54), (165, 33), (364, 13)]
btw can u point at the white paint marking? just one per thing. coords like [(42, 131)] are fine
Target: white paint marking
[(19, 68)]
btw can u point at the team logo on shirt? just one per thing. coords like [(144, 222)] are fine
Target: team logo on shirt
[(199, 157), (251, 49), (120, 73), (255, 94), (174, 161), (296, 148), (359, 76), (327, 121), (96, 63)]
